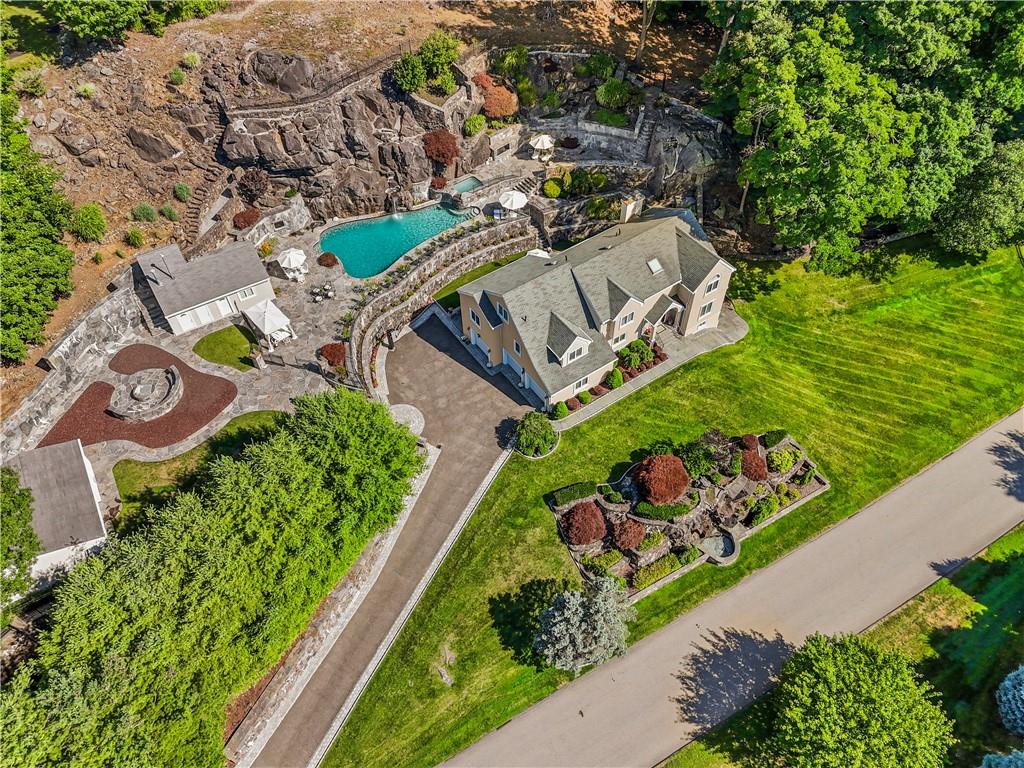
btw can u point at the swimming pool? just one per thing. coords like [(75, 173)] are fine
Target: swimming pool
[(467, 184), (368, 247)]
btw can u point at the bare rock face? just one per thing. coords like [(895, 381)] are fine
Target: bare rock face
[(151, 146), (348, 155), (292, 75), (686, 149)]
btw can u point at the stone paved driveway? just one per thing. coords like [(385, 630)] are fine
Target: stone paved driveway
[(466, 412)]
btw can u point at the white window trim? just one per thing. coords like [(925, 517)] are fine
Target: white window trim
[(713, 285), (474, 318), (580, 384), (706, 310), (619, 339), (575, 354), (247, 293), (626, 320)]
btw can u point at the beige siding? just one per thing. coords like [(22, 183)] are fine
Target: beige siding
[(691, 320), (213, 310), (594, 378)]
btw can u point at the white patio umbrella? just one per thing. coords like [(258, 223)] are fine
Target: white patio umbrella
[(268, 319), (292, 258), (542, 142), (540, 253), (512, 200)]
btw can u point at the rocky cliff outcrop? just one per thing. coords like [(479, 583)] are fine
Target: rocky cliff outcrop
[(686, 148), (347, 155)]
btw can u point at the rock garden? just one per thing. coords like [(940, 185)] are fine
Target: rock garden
[(683, 505)]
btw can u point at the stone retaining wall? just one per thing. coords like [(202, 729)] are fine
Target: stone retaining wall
[(393, 309), (287, 219)]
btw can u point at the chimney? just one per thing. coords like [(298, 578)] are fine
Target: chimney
[(630, 208)]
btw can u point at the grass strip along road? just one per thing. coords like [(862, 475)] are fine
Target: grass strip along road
[(876, 380)]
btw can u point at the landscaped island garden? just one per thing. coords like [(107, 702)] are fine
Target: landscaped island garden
[(676, 509), (874, 379)]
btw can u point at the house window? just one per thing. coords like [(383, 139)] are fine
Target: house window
[(713, 285), (474, 317), (502, 313), (578, 352), (245, 293), (517, 348), (626, 320), (580, 384), (619, 339), (705, 310)]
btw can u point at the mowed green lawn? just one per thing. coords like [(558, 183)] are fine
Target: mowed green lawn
[(875, 380), (231, 346), (964, 633)]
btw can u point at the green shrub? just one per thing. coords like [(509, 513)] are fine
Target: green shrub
[(29, 82), (177, 76), (97, 258), (168, 212), (512, 62), (535, 435), (688, 555), (659, 569), (599, 180), (635, 354), (474, 124), (787, 494), (602, 209), (409, 73), (443, 84), (552, 99), (615, 94), (574, 492), (614, 379), (651, 540), (736, 463), (190, 60), (438, 52), (291, 192), (610, 117), (782, 460), (182, 192), (715, 478), (526, 91), (600, 565), (807, 477), (764, 508), (89, 224), (662, 511), (560, 411), (552, 188), (774, 437), (133, 237), (86, 90), (119, 252), (613, 497), (697, 456), (144, 212), (600, 65), (584, 397)]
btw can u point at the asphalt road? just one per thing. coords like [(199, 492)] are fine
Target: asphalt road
[(464, 411), (713, 661)]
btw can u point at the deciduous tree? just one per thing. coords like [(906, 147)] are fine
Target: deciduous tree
[(19, 544)]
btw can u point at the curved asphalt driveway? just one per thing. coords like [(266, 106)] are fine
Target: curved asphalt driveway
[(465, 412), (713, 661)]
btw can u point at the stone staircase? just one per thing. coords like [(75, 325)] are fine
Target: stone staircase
[(528, 185), (643, 140), (214, 179)]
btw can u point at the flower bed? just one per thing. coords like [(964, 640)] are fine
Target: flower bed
[(703, 496)]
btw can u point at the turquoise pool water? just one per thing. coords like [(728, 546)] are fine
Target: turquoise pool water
[(467, 184), (366, 248)]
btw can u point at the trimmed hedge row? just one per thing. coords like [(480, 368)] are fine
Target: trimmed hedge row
[(659, 569), (600, 565), (651, 540), (574, 492), (665, 511)]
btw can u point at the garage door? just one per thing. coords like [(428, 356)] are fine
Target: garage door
[(480, 343)]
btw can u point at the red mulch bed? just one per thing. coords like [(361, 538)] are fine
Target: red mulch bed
[(203, 398)]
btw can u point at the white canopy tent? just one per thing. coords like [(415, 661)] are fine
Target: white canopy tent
[(293, 263), (540, 253), (267, 319)]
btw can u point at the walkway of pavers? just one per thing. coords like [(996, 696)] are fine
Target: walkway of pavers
[(713, 661)]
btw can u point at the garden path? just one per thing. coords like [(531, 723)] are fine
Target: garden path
[(713, 661)]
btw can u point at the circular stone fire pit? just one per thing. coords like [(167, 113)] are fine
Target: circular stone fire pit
[(146, 395)]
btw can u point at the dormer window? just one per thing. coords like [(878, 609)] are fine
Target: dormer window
[(713, 285), (502, 312), (573, 354)]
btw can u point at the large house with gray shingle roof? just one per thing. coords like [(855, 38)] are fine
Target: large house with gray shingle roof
[(557, 321)]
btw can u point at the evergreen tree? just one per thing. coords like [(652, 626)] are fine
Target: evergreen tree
[(19, 544)]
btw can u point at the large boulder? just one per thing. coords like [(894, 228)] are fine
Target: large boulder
[(292, 75), (152, 146)]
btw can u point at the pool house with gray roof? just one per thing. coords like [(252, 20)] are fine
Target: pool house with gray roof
[(557, 321)]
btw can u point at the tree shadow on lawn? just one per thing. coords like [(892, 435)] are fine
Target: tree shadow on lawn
[(514, 615), (971, 660), (754, 278)]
